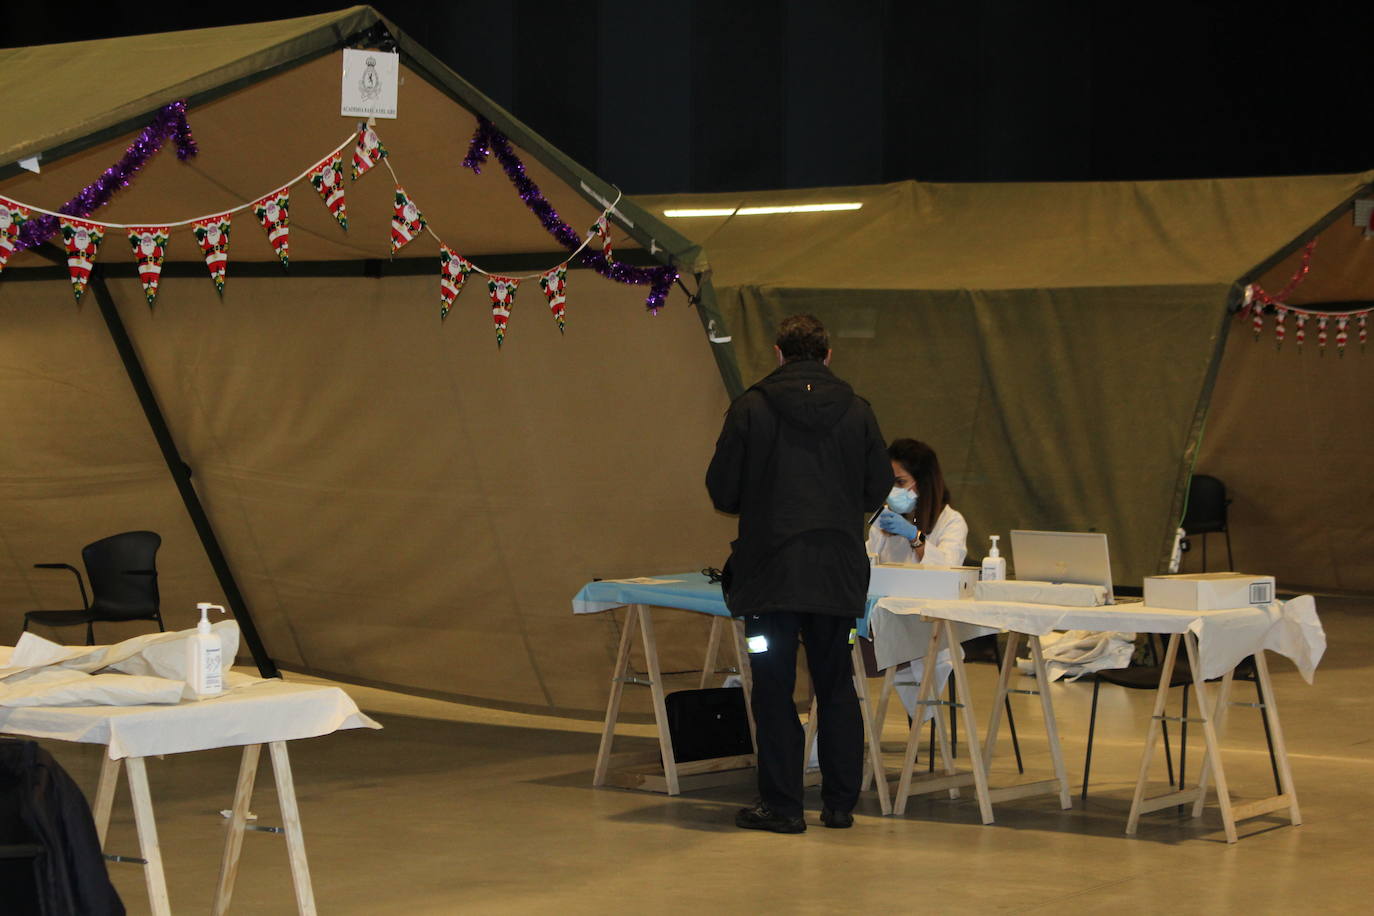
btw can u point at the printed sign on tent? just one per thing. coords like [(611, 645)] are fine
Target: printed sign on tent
[(370, 81)]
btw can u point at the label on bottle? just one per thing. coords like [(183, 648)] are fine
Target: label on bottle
[(213, 674)]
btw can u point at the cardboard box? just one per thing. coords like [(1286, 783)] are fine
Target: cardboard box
[(1208, 591), (900, 580)]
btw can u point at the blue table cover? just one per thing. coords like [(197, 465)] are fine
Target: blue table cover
[(685, 591)]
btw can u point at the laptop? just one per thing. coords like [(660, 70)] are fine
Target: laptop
[(1079, 557)]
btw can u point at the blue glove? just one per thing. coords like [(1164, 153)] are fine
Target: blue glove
[(893, 523)]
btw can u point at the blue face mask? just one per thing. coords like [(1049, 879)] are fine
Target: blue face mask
[(901, 501)]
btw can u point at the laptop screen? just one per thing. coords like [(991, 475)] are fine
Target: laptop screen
[(1062, 556)]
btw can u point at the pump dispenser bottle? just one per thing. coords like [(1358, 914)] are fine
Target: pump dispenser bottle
[(994, 565), (204, 666)]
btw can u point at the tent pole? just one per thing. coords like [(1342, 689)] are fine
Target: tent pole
[(181, 474)]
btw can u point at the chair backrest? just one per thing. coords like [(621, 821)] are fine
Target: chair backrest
[(1206, 505), (122, 570)]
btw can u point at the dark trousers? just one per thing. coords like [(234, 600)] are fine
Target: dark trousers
[(781, 739)]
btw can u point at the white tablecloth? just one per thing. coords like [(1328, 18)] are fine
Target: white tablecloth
[(898, 638), (256, 712), (1290, 628)]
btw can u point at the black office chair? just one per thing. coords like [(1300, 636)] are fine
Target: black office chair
[(1143, 677), (122, 570), (1206, 513), (1146, 677)]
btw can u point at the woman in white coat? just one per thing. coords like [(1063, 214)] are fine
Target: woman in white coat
[(918, 525)]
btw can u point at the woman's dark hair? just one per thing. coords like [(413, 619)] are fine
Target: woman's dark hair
[(921, 462), (802, 337)]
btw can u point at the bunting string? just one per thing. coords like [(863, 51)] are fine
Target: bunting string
[(170, 224), (169, 122), (424, 225), (1257, 302), (24, 225), (487, 140), (28, 237)]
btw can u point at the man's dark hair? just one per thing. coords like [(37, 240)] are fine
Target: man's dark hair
[(802, 337)]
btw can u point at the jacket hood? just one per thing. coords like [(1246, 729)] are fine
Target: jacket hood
[(807, 394)]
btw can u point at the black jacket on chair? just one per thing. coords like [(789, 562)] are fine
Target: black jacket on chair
[(802, 461), (52, 812)]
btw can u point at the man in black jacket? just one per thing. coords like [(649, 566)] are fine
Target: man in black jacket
[(801, 460)]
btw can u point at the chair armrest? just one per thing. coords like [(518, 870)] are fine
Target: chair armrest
[(80, 583)]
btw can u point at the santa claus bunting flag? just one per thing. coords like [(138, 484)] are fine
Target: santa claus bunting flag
[(327, 178), (150, 247), (406, 222), (502, 291), (213, 235), (602, 228), (368, 152), (273, 211), (554, 283), (12, 218), (454, 269), (82, 240)]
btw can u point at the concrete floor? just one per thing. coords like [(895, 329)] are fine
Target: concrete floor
[(456, 809)]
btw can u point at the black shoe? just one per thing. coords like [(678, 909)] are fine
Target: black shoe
[(758, 817), (837, 819)]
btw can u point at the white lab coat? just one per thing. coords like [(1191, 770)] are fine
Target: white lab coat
[(946, 543)]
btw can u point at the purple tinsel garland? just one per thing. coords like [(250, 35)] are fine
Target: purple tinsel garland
[(170, 121), (486, 140)]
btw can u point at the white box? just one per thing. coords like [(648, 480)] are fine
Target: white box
[(1208, 591), (900, 580)]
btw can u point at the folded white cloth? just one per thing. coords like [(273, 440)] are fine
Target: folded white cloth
[(144, 670), (1298, 634), (1075, 653), (1064, 594)]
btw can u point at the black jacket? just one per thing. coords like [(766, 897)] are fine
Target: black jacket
[(39, 803), (802, 461)]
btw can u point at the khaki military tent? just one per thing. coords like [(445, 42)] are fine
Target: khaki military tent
[(396, 499), (1063, 347)]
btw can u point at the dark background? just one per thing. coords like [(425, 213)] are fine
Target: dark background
[(718, 95)]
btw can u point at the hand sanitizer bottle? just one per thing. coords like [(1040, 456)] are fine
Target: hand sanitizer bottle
[(994, 565), (204, 666)]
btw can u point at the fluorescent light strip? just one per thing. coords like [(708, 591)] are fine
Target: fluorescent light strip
[(761, 211)]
